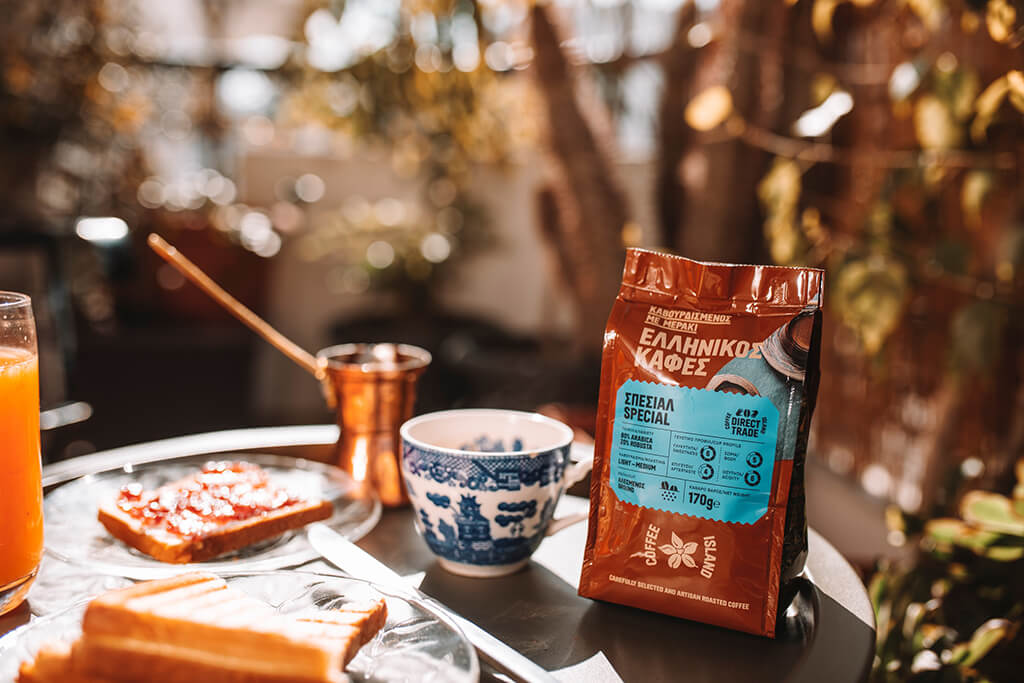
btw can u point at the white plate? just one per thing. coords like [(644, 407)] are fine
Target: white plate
[(73, 533), (416, 644)]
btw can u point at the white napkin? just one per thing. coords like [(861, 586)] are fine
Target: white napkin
[(597, 669)]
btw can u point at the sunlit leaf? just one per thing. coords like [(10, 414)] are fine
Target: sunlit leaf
[(986, 637), (930, 12), (992, 512), (1015, 81), (925, 662), (976, 187), (999, 17), (930, 634), (709, 109), (822, 85), (986, 105), (912, 617), (961, 92), (821, 18), (878, 588), (969, 22), (934, 124), (870, 295), (810, 223), (1004, 554), (779, 193), (781, 185), (945, 530)]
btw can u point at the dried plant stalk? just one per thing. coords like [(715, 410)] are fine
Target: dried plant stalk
[(586, 211)]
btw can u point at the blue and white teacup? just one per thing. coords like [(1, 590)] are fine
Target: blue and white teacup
[(485, 483)]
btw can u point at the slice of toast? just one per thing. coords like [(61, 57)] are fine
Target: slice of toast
[(178, 532), (195, 627), (52, 664)]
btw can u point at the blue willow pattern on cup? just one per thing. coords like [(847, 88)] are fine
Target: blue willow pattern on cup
[(491, 473), (470, 540), (463, 523)]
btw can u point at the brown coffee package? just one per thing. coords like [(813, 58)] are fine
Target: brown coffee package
[(708, 381)]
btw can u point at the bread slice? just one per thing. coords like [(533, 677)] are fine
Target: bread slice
[(206, 538), (52, 664), (195, 627)]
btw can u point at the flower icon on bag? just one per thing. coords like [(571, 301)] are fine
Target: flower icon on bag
[(680, 553)]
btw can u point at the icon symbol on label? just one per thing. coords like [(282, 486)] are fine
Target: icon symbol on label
[(754, 459), (707, 471), (752, 478), (707, 453)]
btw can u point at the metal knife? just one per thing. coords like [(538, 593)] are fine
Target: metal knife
[(358, 563)]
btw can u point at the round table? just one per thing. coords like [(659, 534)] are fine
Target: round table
[(828, 634)]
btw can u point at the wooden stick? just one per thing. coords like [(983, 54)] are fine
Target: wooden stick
[(235, 307)]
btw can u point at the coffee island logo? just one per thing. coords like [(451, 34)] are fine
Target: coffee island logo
[(680, 553)]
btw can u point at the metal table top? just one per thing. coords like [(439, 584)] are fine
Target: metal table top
[(828, 634)]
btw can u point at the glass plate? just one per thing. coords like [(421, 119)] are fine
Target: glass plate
[(416, 644), (73, 533)]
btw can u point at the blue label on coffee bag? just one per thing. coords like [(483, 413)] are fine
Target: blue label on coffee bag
[(693, 452)]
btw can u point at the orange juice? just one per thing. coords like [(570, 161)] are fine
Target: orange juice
[(21, 494)]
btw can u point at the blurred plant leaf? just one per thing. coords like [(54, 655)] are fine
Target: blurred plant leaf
[(991, 512), (1015, 81), (976, 332), (822, 85), (1004, 554), (930, 12), (877, 589), (912, 618), (986, 106), (976, 187), (779, 194), (870, 295), (999, 18), (943, 534), (986, 637), (924, 608), (935, 125), (709, 108), (929, 635), (945, 530), (823, 11), (780, 187), (821, 18), (958, 89), (1018, 490)]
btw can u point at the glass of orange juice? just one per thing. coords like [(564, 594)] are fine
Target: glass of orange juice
[(21, 491)]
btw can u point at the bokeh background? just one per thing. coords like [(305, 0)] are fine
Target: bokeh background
[(464, 175)]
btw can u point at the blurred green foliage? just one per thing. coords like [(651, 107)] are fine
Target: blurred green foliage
[(956, 615)]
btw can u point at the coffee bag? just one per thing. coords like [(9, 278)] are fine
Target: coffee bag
[(708, 381)]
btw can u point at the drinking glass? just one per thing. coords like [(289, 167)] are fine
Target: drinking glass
[(21, 492)]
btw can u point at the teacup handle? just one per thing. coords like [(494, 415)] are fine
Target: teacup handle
[(583, 454)]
